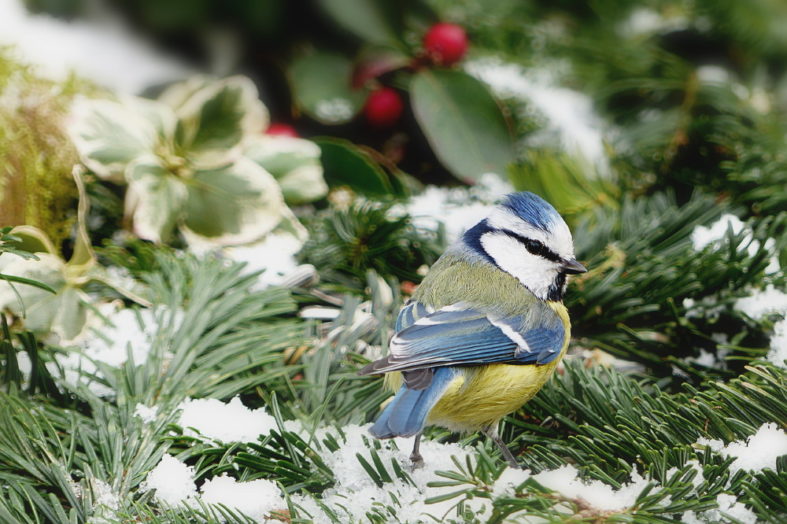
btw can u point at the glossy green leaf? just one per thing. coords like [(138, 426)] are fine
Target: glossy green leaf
[(347, 164), (322, 86), (371, 20), (463, 123)]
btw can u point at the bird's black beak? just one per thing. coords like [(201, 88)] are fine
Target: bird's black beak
[(572, 267)]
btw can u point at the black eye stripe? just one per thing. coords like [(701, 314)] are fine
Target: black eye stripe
[(533, 246)]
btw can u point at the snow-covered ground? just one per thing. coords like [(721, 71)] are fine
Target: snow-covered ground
[(355, 493)]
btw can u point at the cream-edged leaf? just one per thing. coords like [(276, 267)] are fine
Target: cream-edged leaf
[(159, 115), (291, 226), (35, 306), (280, 154), (294, 162), (49, 269), (214, 119), (155, 199), (235, 204), (33, 240), (83, 257), (303, 184), (70, 314), (109, 135), (176, 95)]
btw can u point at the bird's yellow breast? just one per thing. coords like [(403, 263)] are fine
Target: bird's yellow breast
[(480, 396)]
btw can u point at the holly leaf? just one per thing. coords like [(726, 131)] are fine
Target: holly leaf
[(347, 164), (322, 84), (370, 20), (462, 122)]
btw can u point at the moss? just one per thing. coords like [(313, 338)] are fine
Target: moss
[(36, 157)]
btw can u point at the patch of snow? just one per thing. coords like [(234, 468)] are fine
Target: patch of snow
[(334, 109), (708, 359), (644, 21), (105, 501), (711, 74), (93, 50), (24, 363), (146, 413), (755, 453), (231, 422), (707, 307), (355, 494), (569, 114), (255, 498), (565, 481), (703, 236), (699, 476), (715, 235), (711, 359), (458, 209), (173, 481), (275, 255), (762, 303), (508, 481), (727, 505), (120, 277), (114, 336), (778, 353)]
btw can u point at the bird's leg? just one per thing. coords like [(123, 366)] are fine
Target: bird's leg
[(415, 456), (492, 434)]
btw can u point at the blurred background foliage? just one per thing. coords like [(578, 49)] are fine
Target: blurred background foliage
[(644, 64), (641, 121)]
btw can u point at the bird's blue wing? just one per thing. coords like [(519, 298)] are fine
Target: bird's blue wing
[(411, 312), (460, 335)]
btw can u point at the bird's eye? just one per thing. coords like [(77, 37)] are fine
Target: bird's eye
[(534, 246)]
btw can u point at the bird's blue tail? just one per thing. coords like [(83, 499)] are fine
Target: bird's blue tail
[(406, 414)]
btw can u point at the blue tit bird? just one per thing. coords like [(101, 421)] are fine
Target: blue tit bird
[(485, 329)]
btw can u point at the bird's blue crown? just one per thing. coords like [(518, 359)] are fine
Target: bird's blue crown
[(526, 206), (532, 209)]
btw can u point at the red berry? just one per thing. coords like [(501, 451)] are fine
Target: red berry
[(282, 130), (383, 107), (446, 44)]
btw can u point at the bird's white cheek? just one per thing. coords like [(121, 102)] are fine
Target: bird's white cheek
[(536, 273)]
